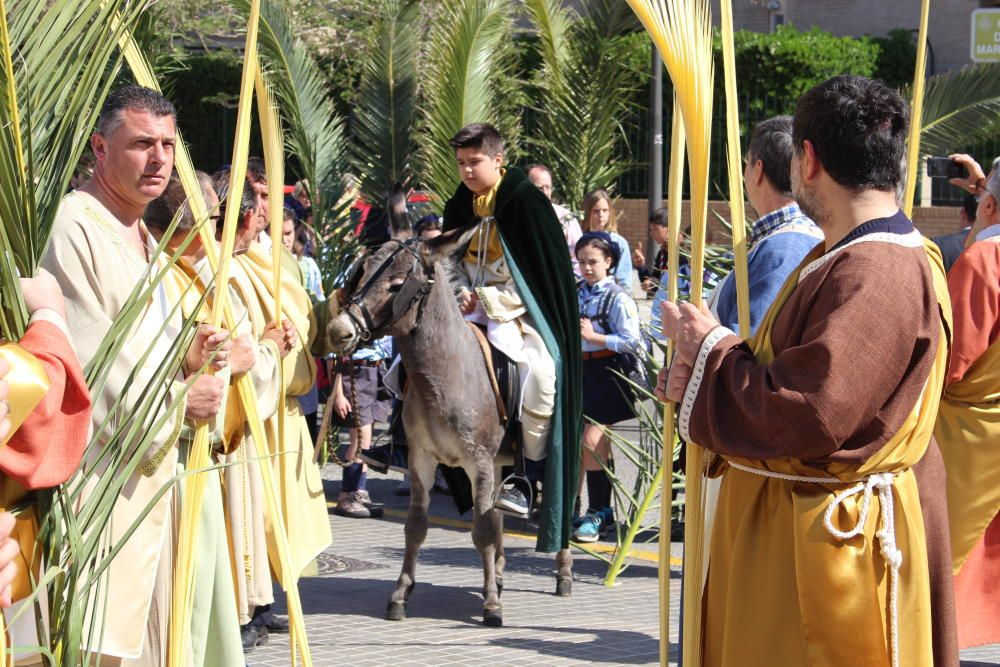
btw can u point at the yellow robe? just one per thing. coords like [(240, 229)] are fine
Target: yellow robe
[(303, 502), (835, 590), (968, 432)]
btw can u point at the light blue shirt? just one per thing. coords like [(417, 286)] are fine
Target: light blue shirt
[(622, 333), (381, 348), (623, 272)]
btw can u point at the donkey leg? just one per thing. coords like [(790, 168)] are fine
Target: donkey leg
[(564, 572), (421, 479), (486, 526), (499, 561)]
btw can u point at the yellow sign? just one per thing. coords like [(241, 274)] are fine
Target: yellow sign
[(985, 45)]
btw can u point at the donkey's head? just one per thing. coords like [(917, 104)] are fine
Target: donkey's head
[(386, 288)]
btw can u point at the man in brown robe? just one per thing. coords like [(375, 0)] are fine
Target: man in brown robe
[(830, 540)]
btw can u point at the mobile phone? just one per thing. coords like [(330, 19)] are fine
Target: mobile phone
[(944, 167)]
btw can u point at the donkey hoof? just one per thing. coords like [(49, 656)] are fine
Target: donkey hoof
[(493, 618), (564, 588), (396, 611)]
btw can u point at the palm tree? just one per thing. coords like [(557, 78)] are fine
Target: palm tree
[(468, 72), (960, 108), (316, 135), (383, 144), (581, 94)]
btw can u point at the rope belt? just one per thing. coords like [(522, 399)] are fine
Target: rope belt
[(882, 483)]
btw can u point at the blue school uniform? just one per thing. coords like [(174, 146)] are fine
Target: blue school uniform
[(607, 399)]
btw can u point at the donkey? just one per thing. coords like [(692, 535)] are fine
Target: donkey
[(450, 409)]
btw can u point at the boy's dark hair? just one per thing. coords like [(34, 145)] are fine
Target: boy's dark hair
[(481, 136), (771, 143), (429, 222), (858, 128), (137, 98), (659, 217)]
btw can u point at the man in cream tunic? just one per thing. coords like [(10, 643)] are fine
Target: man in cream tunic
[(99, 251), (245, 501)]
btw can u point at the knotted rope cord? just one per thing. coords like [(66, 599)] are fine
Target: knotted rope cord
[(882, 482)]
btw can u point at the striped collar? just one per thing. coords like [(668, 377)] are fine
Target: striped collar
[(775, 220)]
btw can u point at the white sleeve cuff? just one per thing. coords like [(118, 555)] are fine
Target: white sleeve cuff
[(697, 375), (51, 316)]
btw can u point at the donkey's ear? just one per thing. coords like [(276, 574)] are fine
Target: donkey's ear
[(448, 246), (399, 218)]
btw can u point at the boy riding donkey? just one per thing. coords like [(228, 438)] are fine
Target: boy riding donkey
[(516, 280)]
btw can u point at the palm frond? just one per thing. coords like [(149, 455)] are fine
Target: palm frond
[(383, 124), (960, 108), (465, 71), (315, 136), (552, 20), (580, 101), (56, 74)]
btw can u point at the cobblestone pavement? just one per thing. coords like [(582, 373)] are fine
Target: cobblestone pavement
[(345, 602)]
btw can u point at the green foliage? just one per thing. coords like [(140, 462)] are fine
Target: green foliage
[(383, 142), (57, 69), (897, 57), (786, 63), (960, 108), (205, 91), (469, 63), (315, 133), (581, 93)]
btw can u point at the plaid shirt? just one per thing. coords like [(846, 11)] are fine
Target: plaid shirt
[(775, 220)]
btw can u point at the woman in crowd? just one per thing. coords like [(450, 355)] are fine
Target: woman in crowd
[(599, 216)]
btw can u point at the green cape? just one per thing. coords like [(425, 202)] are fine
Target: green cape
[(535, 249)]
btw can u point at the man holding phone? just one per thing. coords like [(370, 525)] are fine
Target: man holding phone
[(968, 420)]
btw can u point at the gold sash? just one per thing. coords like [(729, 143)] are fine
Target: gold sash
[(28, 384), (968, 432), (772, 558)]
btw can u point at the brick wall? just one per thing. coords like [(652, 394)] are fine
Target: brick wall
[(633, 218)]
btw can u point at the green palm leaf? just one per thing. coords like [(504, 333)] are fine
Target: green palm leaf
[(383, 123), (467, 81), (960, 108), (582, 92), (316, 135), (57, 65)]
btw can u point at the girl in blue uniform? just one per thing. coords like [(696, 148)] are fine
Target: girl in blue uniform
[(610, 329)]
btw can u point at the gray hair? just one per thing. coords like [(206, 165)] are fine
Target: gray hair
[(137, 98), (771, 143), (160, 212), (993, 180), (248, 202)]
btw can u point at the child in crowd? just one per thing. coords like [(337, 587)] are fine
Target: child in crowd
[(599, 216), (360, 391), (609, 327)]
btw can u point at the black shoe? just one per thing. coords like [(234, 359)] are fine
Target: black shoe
[(276, 624), (513, 503), (253, 636), (384, 458)]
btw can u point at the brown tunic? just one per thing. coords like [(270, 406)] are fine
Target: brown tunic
[(853, 348)]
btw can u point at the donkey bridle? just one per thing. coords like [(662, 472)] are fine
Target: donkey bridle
[(410, 292)]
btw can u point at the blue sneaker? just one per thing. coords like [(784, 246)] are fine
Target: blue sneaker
[(594, 525)]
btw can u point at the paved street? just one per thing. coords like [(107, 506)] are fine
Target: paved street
[(345, 602)]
